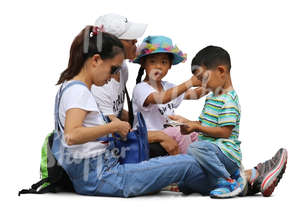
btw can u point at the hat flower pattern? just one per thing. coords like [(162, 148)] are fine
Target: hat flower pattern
[(147, 48)]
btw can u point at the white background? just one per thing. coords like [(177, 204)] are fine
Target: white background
[(262, 38)]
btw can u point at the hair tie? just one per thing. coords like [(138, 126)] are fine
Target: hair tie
[(101, 28), (95, 30)]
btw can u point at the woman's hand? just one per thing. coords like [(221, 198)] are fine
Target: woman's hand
[(178, 118), (121, 127)]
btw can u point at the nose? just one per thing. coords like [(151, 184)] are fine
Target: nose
[(134, 41), (158, 65)]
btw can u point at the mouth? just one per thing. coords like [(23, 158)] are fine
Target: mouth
[(157, 73)]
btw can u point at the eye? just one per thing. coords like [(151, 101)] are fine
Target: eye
[(165, 62)]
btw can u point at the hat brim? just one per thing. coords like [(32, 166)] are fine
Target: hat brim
[(134, 31), (176, 59)]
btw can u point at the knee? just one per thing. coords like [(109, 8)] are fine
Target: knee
[(201, 149), (199, 146), (190, 162)]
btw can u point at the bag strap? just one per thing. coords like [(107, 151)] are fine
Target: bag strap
[(142, 128), (50, 188), (130, 110), (57, 103)]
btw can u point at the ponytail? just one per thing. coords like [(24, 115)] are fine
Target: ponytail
[(140, 74), (86, 44)]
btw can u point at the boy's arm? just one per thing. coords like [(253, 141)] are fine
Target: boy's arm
[(194, 94), (216, 132)]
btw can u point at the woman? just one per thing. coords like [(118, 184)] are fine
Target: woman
[(90, 164)]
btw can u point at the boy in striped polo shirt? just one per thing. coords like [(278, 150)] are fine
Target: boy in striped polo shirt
[(218, 149)]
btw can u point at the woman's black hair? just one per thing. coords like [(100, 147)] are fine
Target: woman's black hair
[(86, 44), (141, 70)]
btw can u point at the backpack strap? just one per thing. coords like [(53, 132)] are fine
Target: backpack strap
[(34, 188), (50, 188), (54, 185)]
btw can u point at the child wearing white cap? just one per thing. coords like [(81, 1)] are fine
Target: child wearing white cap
[(120, 26), (110, 98)]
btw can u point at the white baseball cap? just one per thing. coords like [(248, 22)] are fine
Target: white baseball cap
[(120, 27)]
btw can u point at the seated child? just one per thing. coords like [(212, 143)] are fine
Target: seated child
[(157, 99), (218, 149)]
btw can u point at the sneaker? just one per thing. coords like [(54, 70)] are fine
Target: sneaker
[(226, 188), (269, 174), (240, 178)]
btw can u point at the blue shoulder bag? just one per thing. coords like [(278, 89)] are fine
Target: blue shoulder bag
[(135, 147)]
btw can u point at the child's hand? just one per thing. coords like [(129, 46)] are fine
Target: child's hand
[(178, 118), (188, 128), (170, 145), (196, 82), (155, 74)]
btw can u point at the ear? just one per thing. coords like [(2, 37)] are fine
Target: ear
[(221, 70), (96, 60)]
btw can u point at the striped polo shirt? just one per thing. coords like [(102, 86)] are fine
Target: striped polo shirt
[(219, 111)]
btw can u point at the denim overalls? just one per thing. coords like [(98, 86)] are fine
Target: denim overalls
[(104, 175)]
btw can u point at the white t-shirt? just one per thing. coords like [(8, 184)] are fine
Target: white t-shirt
[(110, 97), (154, 114), (78, 96)]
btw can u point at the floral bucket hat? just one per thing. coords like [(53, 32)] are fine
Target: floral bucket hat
[(159, 44)]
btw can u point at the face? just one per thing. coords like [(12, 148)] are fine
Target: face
[(103, 69), (130, 48), (213, 79), (157, 66)]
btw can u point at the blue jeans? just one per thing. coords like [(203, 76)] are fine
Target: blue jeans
[(103, 175), (212, 159)]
